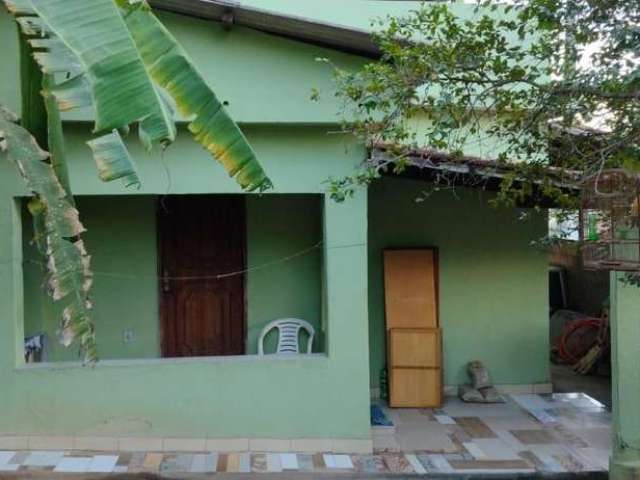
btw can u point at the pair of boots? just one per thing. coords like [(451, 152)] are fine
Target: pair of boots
[(481, 390)]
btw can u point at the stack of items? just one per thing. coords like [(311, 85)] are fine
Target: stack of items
[(481, 390), (414, 340)]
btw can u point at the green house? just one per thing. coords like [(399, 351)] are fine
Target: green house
[(166, 370)]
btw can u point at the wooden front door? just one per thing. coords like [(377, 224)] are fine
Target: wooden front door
[(201, 240)]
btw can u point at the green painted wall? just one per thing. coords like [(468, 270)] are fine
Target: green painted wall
[(279, 226), (203, 397), (121, 237), (122, 240), (9, 66), (493, 284), (625, 386)]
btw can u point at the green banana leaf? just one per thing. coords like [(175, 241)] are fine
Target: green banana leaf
[(69, 277), (100, 41), (113, 160), (171, 68)]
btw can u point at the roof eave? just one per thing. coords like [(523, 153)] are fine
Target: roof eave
[(303, 29)]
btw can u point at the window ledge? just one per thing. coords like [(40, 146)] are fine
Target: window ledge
[(127, 362)]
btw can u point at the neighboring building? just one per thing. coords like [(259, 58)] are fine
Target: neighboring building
[(317, 260)]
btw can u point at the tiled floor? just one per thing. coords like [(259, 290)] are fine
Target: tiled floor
[(545, 433)]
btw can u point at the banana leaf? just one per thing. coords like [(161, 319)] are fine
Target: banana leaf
[(69, 277), (100, 41), (171, 68)]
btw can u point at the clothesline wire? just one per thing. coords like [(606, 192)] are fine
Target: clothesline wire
[(219, 276)]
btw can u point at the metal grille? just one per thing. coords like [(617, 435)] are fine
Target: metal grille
[(610, 221)]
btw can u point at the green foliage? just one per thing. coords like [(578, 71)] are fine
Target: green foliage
[(550, 83), (117, 58), (58, 230)]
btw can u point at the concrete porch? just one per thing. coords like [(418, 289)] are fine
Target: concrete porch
[(530, 434)]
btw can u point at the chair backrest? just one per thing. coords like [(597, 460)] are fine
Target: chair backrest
[(288, 333)]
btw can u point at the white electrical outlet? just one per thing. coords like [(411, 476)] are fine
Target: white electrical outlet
[(128, 336)]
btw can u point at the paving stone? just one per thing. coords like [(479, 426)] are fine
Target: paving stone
[(258, 463), (273, 463), (534, 437), (103, 463), (73, 465), (398, 464), (289, 461), (43, 459), (204, 462), (305, 462), (245, 463)]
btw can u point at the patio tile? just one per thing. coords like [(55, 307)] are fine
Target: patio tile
[(571, 439), (532, 402), (597, 457), (534, 437), (415, 464), (152, 462), (136, 461), (398, 464), (318, 462), (124, 458), (328, 460), (516, 422), (547, 455), (371, 463), (273, 463), (599, 438), (258, 463), (19, 458), (102, 463), (43, 459), (458, 435), (474, 450), (245, 462), (427, 412), (305, 462), (233, 463), (223, 458), (385, 443), (486, 465), (435, 463), (73, 465), (6, 456), (474, 427), (508, 438), (289, 461), (431, 437), (204, 462), (444, 419), (496, 449), (343, 462), (532, 459), (571, 463), (412, 416)]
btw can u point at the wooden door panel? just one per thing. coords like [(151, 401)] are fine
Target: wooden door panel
[(410, 285), (415, 348), (202, 237), (415, 387)]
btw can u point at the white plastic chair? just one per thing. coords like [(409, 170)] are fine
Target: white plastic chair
[(288, 333)]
